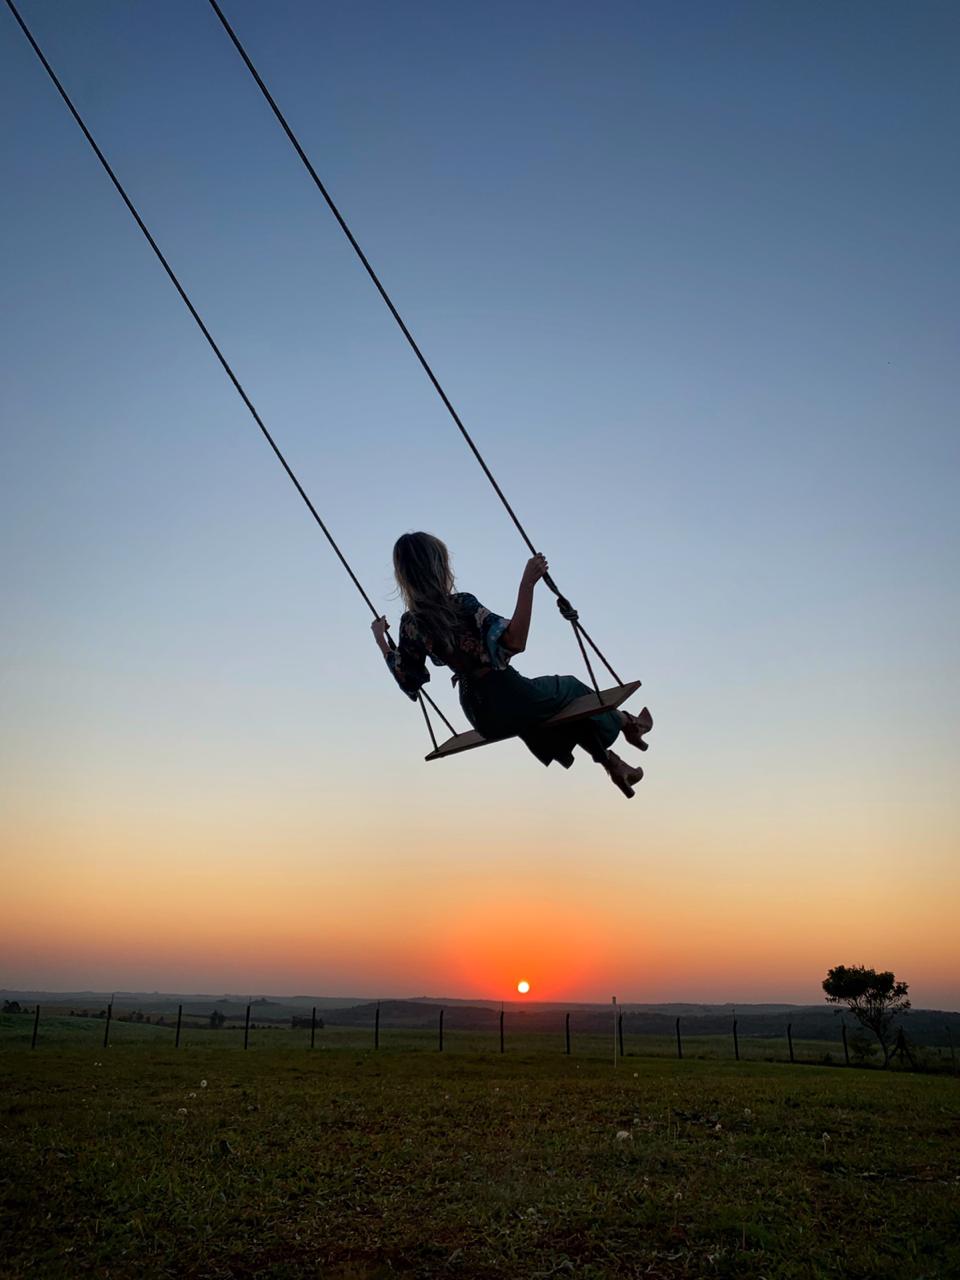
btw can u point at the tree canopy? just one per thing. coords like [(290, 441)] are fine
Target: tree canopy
[(875, 999)]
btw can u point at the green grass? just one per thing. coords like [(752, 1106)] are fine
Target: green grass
[(351, 1164)]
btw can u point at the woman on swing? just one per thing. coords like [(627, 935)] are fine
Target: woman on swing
[(453, 629)]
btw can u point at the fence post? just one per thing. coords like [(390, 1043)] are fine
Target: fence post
[(790, 1039), (106, 1029), (953, 1054), (246, 1028), (846, 1051), (176, 1041), (36, 1028), (501, 1028), (620, 1031), (736, 1041), (376, 1027), (615, 1020), (441, 1031), (313, 1027), (679, 1041), (566, 1029)]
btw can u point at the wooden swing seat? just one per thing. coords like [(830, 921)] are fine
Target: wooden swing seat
[(579, 709)]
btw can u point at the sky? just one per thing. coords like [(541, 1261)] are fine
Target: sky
[(689, 273)]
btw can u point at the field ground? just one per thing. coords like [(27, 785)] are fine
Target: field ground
[(142, 1161)]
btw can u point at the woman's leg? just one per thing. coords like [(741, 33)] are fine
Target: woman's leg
[(596, 735), (504, 703), (635, 727), (623, 776), (541, 698)]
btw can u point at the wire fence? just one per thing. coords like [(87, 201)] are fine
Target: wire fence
[(573, 1035)]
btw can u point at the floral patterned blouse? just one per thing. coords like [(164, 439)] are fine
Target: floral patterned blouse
[(478, 645)]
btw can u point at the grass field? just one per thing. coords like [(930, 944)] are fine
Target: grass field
[(345, 1163)]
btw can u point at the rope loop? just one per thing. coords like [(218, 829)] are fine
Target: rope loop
[(567, 611)]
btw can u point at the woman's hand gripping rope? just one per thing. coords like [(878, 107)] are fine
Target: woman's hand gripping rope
[(536, 568), (380, 627)]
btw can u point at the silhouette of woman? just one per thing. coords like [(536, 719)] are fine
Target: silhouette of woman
[(453, 629)]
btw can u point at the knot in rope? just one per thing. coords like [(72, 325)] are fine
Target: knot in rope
[(567, 611)]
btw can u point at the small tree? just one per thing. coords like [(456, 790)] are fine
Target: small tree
[(216, 1020), (874, 999)]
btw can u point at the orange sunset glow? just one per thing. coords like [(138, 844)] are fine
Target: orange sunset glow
[(189, 893)]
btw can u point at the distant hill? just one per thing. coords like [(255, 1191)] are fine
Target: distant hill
[(167, 1001), (809, 1022), (923, 1026), (673, 1009)]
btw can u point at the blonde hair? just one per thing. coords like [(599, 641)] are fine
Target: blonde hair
[(421, 565)]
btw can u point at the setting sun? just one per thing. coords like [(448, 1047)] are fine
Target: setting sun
[(523, 986)]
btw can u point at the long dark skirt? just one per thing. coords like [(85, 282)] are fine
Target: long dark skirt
[(505, 704)]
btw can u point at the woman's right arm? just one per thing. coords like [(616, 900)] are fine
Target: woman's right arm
[(515, 636)]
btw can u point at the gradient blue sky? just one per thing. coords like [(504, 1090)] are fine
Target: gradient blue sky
[(689, 272)]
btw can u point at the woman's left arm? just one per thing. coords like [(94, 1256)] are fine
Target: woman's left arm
[(380, 627), (407, 661)]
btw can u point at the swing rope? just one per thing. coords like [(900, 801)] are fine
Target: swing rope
[(422, 695), (567, 610)]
